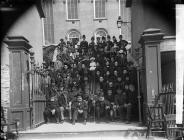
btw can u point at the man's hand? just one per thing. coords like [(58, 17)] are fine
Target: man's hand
[(107, 107), (53, 111)]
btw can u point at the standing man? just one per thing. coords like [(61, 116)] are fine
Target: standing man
[(79, 106), (92, 49), (122, 43), (84, 45), (109, 46)]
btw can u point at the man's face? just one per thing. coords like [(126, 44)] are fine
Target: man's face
[(66, 67), (115, 73), (107, 73), (116, 63), (101, 79), (79, 99), (110, 84), (98, 72), (126, 87), (109, 92), (119, 79), (124, 71), (74, 65), (119, 91), (83, 66)]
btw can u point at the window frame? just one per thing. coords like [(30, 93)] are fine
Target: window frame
[(94, 14), (75, 19), (76, 31), (98, 30)]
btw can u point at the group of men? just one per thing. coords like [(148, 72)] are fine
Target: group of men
[(111, 73)]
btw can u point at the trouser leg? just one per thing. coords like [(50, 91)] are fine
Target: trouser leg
[(70, 113), (128, 113), (75, 115), (85, 114), (121, 112), (57, 115), (46, 115), (98, 113), (62, 113)]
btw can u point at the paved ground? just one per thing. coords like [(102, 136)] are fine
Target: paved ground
[(90, 131), (80, 127)]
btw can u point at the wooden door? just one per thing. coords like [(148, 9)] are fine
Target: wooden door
[(19, 88)]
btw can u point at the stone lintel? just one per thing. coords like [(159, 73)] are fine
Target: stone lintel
[(151, 35), (17, 43)]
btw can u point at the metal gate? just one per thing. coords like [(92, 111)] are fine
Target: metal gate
[(37, 93)]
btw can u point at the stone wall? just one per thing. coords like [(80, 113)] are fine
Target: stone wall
[(5, 87), (87, 24)]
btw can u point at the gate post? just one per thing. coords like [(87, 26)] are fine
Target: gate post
[(150, 42), (19, 80)]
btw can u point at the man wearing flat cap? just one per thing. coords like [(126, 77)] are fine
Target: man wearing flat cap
[(102, 107), (79, 106), (52, 110)]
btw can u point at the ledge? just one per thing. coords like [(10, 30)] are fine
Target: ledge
[(99, 19), (72, 20)]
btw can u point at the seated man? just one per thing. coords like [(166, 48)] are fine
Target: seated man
[(79, 106), (102, 107), (52, 110), (62, 101), (122, 101)]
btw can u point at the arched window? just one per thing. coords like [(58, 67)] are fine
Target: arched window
[(100, 32), (73, 35)]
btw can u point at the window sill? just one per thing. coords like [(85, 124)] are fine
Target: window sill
[(72, 20), (99, 19)]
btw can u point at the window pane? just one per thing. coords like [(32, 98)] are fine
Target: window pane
[(99, 8), (72, 9), (103, 8)]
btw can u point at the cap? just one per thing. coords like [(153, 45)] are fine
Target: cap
[(108, 36)]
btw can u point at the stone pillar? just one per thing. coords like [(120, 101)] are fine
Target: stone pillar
[(19, 80), (150, 41)]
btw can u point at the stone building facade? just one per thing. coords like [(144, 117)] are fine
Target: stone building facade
[(70, 19)]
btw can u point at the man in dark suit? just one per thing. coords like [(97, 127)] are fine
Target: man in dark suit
[(102, 107), (52, 110), (79, 106), (62, 101), (84, 45)]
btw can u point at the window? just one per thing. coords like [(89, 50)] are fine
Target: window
[(72, 9), (48, 22), (100, 32), (99, 9), (73, 35)]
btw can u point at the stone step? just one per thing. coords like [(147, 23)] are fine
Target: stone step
[(98, 135)]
